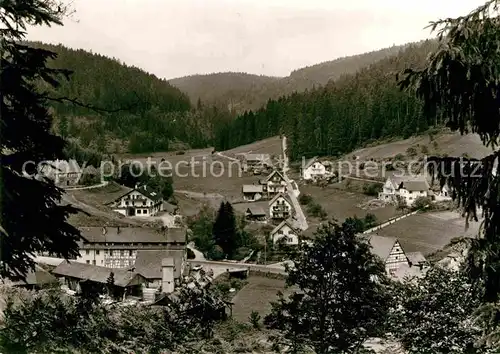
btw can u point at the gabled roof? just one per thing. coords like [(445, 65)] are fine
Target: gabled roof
[(415, 186), (146, 191), (38, 276), (148, 263), (381, 246), (94, 273), (132, 235), (283, 223), (280, 195), (311, 161), (416, 257), (256, 211), (252, 188), (272, 175)]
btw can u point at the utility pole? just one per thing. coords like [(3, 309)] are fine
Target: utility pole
[(265, 251)]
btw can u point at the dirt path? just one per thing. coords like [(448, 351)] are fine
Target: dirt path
[(362, 179), (199, 195), (299, 213), (100, 185)]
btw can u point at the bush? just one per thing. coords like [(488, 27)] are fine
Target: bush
[(190, 254), (305, 199), (316, 210), (424, 149), (254, 319), (372, 189), (411, 151), (180, 152), (422, 203), (216, 253), (399, 157), (241, 253)]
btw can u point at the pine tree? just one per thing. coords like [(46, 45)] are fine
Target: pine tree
[(224, 229), (32, 219), (110, 284)]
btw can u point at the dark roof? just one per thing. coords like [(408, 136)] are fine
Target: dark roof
[(132, 235), (38, 276), (94, 273), (283, 196), (148, 262), (256, 211), (310, 162), (146, 191), (415, 186), (381, 246), (416, 257)]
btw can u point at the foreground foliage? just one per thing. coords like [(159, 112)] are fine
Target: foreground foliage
[(31, 218), (461, 81), (342, 297), (50, 321), (435, 314)]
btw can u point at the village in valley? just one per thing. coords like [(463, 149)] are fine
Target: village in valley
[(152, 203), (146, 242)]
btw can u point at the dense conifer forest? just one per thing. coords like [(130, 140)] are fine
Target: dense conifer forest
[(348, 112), (242, 91), (137, 112), (130, 110)]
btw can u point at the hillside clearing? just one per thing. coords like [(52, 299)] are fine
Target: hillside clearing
[(256, 296), (341, 204), (445, 143), (429, 232)]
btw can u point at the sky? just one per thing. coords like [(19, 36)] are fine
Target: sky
[(174, 38)]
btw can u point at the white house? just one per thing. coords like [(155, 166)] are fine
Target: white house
[(253, 192), (285, 231), (275, 183), (118, 247), (406, 188), (411, 190), (313, 169), (141, 201), (280, 207)]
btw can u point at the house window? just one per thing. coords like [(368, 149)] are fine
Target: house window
[(144, 202), (87, 252), (126, 203), (130, 253), (144, 211), (88, 262), (102, 261), (280, 232), (138, 211), (93, 262), (97, 252), (122, 253)]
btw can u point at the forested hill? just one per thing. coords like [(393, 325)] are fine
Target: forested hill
[(241, 91), (351, 111), (149, 113)]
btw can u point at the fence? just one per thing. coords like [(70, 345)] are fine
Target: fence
[(389, 222)]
